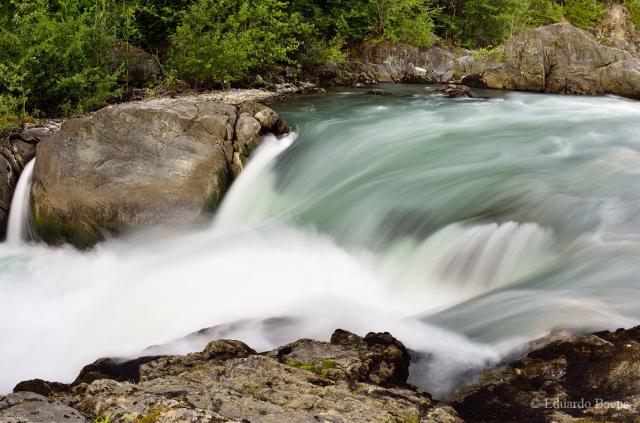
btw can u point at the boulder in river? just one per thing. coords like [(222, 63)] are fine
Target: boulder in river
[(140, 164), (456, 91)]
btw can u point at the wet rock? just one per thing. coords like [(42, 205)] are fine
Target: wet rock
[(40, 387), (456, 91), (588, 377), (27, 407), (379, 92), (119, 369), (377, 358), (268, 119)]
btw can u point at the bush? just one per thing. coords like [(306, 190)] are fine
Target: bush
[(488, 23), (543, 12), (634, 11), (10, 114), (585, 14), (405, 21), (222, 40), (52, 59)]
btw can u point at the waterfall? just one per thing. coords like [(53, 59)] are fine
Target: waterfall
[(20, 227)]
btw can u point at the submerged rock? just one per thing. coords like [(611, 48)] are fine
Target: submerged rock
[(455, 91), (141, 164)]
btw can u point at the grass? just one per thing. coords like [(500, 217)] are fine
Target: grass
[(321, 369)]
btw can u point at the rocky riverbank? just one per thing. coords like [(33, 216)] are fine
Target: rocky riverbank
[(558, 58), (592, 378)]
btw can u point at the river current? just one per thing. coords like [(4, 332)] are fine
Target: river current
[(465, 227)]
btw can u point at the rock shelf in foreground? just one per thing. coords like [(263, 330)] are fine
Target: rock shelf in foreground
[(592, 378)]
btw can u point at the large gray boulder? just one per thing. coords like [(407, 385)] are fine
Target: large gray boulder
[(141, 164)]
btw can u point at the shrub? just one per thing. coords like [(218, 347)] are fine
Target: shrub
[(543, 12), (634, 11), (585, 14), (53, 60), (10, 114), (405, 21), (222, 40)]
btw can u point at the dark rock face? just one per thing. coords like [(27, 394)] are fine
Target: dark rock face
[(593, 377), (141, 164), (142, 67), (27, 407), (113, 368), (40, 387)]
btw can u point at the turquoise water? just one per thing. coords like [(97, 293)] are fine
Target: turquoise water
[(465, 227)]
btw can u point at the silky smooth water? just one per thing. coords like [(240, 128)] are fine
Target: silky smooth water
[(464, 227)]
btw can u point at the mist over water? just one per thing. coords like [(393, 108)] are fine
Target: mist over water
[(463, 227)]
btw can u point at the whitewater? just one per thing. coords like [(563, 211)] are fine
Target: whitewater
[(466, 228)]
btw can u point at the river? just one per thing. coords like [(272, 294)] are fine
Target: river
[(465, 227)]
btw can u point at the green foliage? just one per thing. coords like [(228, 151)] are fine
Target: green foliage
[(584, 14), (490, 53), (101, 419), (488, 23), (52, 59), (10, 114), (222, 40), (634, 11), (543, 12), (405, 21)]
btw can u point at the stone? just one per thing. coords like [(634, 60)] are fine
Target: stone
[(27, 407), (456, 91), (268, 119), (164, 162)]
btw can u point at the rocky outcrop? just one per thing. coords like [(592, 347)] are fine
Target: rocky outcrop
[(585, 379), (141, 164), (556, 59), (618, 30), (391, 63), (350, 379), (564, 378), (15, 152)]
